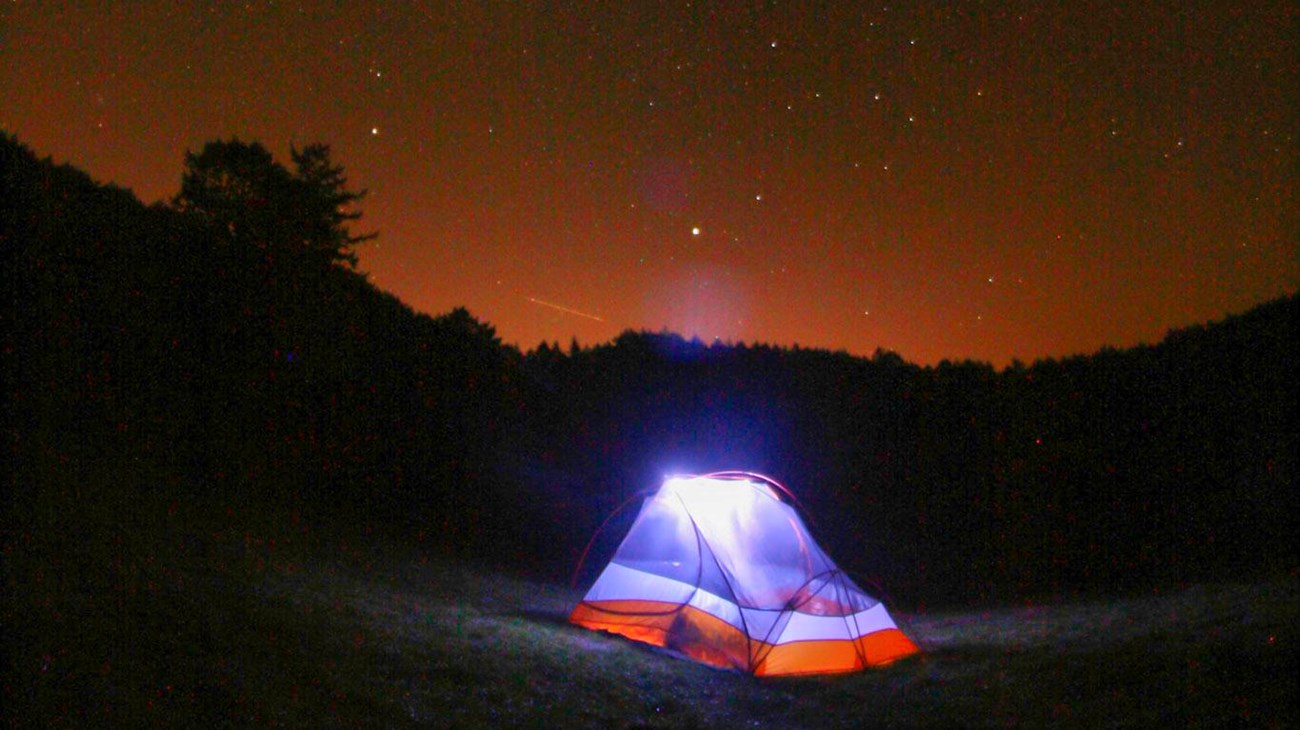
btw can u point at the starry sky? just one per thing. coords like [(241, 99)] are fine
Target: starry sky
[(969, 180)]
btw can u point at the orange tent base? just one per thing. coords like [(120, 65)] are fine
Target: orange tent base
[(710, 640)]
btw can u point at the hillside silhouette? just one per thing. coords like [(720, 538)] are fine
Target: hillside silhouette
[(163, 354)]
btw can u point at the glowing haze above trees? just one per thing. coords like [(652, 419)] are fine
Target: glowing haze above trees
[(990, 181)]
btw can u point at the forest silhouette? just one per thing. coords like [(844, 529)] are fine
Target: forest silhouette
[(222, 350)]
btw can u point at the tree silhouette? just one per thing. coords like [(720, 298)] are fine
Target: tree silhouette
[(146, 355), (240, 191), (326, 203)]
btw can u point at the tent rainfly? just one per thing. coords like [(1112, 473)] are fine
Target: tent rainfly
[(720, 569)]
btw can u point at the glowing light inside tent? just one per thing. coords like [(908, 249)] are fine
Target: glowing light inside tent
[(721, 480), (721, 569), (715, 497), (728, 503)]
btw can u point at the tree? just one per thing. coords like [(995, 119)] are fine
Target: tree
[(239, 189), (233, 187), (327, 203)]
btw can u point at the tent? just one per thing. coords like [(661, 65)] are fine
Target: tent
[(720, 569)]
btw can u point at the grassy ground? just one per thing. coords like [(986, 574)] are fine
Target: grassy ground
[(153, 622)]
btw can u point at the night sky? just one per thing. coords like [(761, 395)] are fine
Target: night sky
[(987, 181)]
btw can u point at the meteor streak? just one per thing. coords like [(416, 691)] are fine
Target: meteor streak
[(565, 309)]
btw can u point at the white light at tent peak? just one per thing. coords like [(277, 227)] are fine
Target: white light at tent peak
[(716, 499)]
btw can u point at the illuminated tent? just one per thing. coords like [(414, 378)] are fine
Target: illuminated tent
[(720, 569)]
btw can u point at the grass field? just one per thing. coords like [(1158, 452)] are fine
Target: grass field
[(152, 622)]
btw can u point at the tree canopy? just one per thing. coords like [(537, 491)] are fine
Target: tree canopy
[(240, 190)]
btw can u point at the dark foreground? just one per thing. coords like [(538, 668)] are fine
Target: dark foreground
[(155, 622)]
